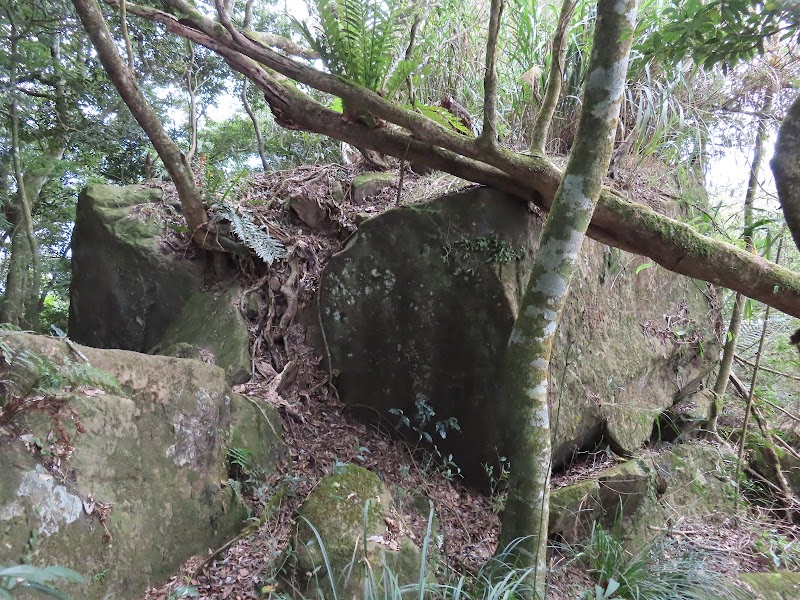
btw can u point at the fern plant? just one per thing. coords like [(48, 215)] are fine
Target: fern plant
[(360, 41), (266, 247)]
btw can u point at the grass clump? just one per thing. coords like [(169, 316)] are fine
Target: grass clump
[(660, 571)]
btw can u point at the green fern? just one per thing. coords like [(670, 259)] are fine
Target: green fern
[(84, 374), (266, 247), (360, 40), (28, 373)]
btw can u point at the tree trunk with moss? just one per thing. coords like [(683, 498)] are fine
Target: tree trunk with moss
[(529, 348), (174, 160), (558, 57)]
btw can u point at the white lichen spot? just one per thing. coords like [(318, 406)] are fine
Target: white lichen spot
[(540, 419), (539, 363), (550, 329), (534, 311), (551, 284), (538, 391), (517, 337), (54, 505), (611, 81), (573, 195), (621, 8)]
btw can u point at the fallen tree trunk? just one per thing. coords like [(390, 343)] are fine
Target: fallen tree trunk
[(617, 221)]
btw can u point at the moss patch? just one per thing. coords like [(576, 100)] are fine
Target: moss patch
[(346, 508), (782, 585), (212, 321)]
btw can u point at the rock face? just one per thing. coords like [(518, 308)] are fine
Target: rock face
[(151, 457), (687, 480), (212, 322), (125, 291), (417, 310), (347, 507), (781, 585), (128, 293)]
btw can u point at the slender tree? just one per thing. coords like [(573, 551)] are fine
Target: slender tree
[(558, 57), (729, 350), (174, 160), (529, 348)]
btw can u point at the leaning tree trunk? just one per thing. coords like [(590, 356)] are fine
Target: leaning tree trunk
[(527, 360), (124, 80)]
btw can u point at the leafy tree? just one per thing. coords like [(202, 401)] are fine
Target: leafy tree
[(61, 127), (724, 31)]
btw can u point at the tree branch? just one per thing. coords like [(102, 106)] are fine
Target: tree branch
[(488, 137), (558, 56), (617, 221)]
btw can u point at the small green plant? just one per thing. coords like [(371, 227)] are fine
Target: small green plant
[(498, 482), (422, 420), (662, 571), (435, 460), (100, 576), (777, 550), (184, 591), (17, 578), (246, 480), (255, 237), (492, 249), (239, 462)]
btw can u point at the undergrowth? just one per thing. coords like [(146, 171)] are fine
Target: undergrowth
[(659, 571)]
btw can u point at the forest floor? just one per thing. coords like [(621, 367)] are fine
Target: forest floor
[(320, 433)]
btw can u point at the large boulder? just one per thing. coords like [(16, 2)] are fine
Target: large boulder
[(137, 485), (362, 536), (686, 480), (418, 307), (212, 326), (125, 288), (131, 291)]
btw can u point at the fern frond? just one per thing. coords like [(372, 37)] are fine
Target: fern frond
[(266, 247), (359, 40), (84, 374)]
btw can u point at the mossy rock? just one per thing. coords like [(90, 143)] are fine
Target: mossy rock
[(421, 302), (688, 479), (212, 321), (780, 585), (572, 507), (369, 184), (125, 290), (347, 508), (155, 450)]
